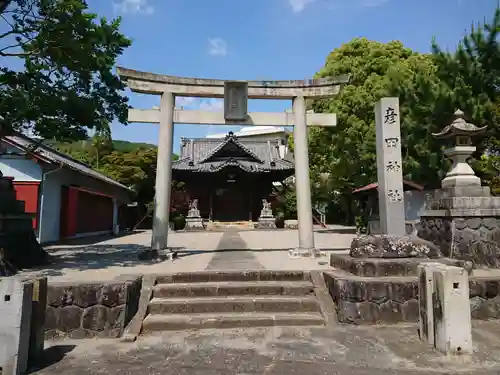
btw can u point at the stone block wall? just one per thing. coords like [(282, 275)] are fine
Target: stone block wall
[(361, 300), (484, 298), (82, 310), (364, 300), (472, 238)]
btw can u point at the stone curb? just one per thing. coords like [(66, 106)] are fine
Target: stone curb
[(133, 329), (324, 299)]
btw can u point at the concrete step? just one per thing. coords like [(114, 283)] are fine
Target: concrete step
[(234, 288), (230, 226), (175, 322), (231, 304), (218, 276)]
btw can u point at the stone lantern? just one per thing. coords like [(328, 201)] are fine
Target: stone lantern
[(462, 217), (461, 173)]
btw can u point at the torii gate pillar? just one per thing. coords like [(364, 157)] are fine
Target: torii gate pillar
[(302, 181), (163, 183)]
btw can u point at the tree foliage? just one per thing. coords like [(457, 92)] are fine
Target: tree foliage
[(471, 76), (56, 77), (429, 86), (131, 164), (344, 158)]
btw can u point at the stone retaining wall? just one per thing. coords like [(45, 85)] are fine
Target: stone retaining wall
[(90, 309), (364, 300), (476, 239), (484, 298), (361, 300)]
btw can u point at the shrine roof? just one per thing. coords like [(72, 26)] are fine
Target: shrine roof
[(406, 184), (52, 156), (213, 155)]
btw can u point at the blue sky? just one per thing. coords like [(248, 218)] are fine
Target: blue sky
[(267, 40)]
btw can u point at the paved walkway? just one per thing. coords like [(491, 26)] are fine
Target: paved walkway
[(104, 259), (227, 259), (346, 350)]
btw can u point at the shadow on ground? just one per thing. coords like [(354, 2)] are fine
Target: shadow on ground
[(182, 253), (93, 257), (91, 240), (51, 356)]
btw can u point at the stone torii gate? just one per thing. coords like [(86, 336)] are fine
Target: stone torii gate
[(236, 95)]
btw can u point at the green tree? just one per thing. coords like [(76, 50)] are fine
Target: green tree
[(102, 144), (56, 76), (344, 158), (471, 76)]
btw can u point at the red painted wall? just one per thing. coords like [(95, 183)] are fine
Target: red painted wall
[(94, 212), (83, 211), (68, 217), (29, 193)]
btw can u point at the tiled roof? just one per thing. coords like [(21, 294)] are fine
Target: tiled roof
[(201, 155), (53, 156), (374, 185)]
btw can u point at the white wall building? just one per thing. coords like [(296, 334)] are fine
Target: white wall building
[(67, 198)]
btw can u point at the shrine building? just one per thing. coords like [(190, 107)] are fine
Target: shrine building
[(231, 174)]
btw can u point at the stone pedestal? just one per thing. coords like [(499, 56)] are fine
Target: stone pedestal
[(266, 223), (465, 223), (194, 220), (266, 219)]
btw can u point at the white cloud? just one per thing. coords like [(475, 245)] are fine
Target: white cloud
[(217, 47), (133, 7), (210, 104), (370, 3), (299, 5)]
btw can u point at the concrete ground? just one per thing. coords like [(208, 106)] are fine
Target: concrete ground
[(346, 350), (105, 259)]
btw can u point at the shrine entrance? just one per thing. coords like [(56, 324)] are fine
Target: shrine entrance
[(230, 204), (236, 95)]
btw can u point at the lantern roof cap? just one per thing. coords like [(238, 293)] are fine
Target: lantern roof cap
[(459, 127)]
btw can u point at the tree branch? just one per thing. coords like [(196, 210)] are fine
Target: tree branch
[(16, 54), (3, 5)]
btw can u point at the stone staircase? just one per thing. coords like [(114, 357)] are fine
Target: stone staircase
[(229, 299)]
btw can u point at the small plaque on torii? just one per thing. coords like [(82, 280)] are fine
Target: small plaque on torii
[(235, 100)]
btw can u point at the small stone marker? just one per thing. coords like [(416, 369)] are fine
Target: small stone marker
[(425, 272), (453, 332), (390, 167), (444, 308), (38, 311), (15, 310)]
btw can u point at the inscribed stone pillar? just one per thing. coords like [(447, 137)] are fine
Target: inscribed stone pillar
[(302, 184), (163, 173), (390, 167)]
